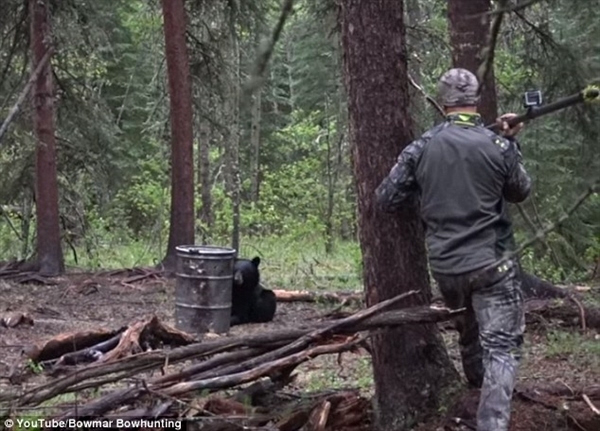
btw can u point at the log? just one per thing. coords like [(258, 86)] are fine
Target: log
[(568, 312), (535, 287), (324, 297), (69, 342), (563, 391), (317, 420), (90, 354)]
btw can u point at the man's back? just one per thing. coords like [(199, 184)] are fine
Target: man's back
[(464, 173), (461, 175)]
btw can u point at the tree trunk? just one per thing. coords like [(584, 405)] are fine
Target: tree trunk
[(469, 32), (181, 229), (26, 211), (414, 18), (204, 178), (411, 366), (331, 183), (232, 137), (49, 251), (255, 142)]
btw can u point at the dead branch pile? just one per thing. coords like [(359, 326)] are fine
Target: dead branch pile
[(222, 363), (118, 366)]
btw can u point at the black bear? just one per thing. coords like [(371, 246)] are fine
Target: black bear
[(250, 302)]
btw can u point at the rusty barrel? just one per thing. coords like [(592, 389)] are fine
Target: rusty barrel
[(203, 288)]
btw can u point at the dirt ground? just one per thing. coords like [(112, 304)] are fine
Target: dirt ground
[(83, 301)]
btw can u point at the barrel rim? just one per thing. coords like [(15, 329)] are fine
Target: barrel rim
[(204, 250), (183, 305), (203, 276)]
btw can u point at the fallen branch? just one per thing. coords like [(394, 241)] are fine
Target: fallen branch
[(252, 374), (150, 333), (566, 392), (69, 342), (89, 354), (136, 278), (532, 396), (308, 296), (561, 310), (591, 405), (125, 396)]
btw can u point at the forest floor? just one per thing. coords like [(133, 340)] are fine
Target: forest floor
[(553, 356)]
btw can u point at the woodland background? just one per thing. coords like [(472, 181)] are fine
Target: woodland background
[(285, 148), (155, 124)]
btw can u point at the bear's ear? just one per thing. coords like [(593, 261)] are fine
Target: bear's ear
[(256, 261)]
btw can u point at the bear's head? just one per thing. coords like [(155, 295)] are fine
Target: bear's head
[(246, 273)]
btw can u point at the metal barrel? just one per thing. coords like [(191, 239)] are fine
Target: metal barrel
[(203, 288)]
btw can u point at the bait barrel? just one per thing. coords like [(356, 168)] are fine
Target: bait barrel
[(203, 288)]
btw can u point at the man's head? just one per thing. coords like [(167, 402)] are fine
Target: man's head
[(457, 89)]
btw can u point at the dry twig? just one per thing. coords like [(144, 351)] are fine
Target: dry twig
[(591, 405)]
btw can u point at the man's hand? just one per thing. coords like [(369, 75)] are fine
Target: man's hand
[(506, 130)]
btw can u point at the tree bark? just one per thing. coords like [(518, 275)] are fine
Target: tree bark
[(181, 229), (469, 27), (414, 17), (206, 104), (204, 180), (411, 366), (331, 172), (49, 251), (26, 210), (232, 143), (255, 142)]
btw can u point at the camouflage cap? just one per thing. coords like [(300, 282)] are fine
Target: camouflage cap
[(458, 87)]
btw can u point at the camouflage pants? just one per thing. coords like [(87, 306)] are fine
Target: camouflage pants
[(490, 336)]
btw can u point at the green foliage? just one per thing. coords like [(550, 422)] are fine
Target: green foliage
[(35, 367), (112, 131), (303, 263), (561, 344), (145, 202), (326, 378)]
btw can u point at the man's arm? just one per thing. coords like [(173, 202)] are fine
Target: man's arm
[(518, 183), (401, 183)]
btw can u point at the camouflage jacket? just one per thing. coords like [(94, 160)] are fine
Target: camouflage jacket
[(463, 174)]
